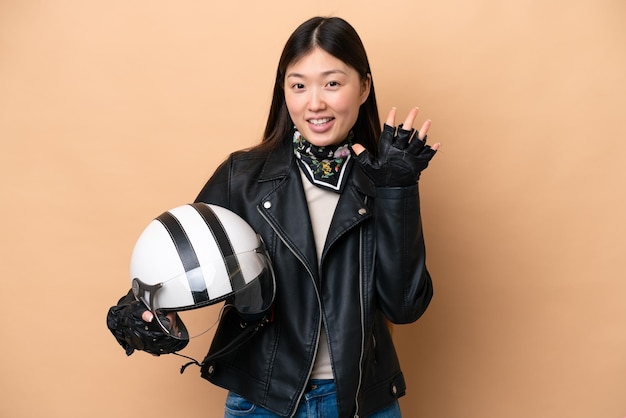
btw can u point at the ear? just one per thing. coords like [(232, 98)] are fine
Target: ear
[(366, 85)]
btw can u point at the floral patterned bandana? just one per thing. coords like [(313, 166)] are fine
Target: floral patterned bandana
[(326, 167)]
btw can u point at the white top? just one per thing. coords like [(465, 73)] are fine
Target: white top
[(322, 204)]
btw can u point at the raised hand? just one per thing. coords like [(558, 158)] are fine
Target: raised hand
[(402, 153)]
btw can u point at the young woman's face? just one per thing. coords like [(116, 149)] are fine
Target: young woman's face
[(323, 96)]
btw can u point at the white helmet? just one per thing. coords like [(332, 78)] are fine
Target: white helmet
[(198, 255)]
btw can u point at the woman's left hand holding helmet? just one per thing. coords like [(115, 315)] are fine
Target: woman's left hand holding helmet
[(402, 153), (134, 328)]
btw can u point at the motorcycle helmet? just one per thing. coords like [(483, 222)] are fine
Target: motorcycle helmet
[(197, 255)]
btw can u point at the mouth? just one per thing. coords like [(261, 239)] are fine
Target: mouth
[(319, 121)]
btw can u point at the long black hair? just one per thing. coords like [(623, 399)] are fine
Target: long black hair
[(338, 38)]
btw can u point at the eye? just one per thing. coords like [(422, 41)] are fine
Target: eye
[(297, 86), (333, 84)]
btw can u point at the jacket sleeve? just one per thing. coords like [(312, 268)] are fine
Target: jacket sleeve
[(403, 283)]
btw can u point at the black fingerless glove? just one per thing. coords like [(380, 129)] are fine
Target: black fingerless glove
[(401, 158), (133, 333)]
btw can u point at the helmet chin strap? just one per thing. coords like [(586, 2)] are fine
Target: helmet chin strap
[(247, 334)]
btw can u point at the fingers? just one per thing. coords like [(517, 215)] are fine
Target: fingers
[(147, 316), (408, 125), (410, 118), (408, 122), (424, 130), (391, 117)]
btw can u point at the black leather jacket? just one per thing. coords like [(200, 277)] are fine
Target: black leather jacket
[(372, 270)]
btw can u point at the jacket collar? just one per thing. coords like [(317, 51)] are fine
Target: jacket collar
[(280, 160), (288, 198)]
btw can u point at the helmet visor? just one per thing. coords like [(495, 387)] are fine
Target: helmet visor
[(245, 281), (254, 298)]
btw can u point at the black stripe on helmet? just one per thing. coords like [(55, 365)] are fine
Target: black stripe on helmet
[(187, 255), (223, 243)]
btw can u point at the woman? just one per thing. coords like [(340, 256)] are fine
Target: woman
[(338, 209)]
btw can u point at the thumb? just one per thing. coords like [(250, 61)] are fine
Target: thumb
[(358, 148)]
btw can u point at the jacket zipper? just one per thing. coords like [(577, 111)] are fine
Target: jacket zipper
[(319, 301), (358, 388)]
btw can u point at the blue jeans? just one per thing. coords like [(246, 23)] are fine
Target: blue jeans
[(320, 401)]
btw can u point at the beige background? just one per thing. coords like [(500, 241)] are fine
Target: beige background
[(113, 111)]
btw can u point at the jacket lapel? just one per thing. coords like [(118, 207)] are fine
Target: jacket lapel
[(285, 207), (353, 207)]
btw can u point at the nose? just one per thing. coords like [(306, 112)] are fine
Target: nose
[(316, 100)]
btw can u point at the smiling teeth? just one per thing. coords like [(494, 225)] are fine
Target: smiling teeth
[(320, 121)]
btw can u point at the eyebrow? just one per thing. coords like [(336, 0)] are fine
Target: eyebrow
[(324, 73)]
